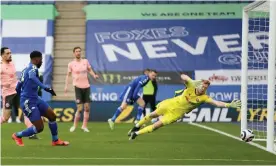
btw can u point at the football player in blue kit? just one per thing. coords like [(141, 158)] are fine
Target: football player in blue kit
[(131, 95), (33, 106)]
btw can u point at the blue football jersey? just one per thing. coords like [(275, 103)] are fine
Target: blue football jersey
[(29, 82), (141, 80), (137, 84)]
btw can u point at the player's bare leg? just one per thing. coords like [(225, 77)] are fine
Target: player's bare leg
[(51, 116), (86, 117), (20, 113), (10, 120), (143, 121), (77, 117), (120, 109), (147, 129), (17, 119), (141, 107), (6, 115)]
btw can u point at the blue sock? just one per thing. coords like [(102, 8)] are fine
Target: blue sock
[(139, 113), (27, 132), (117, 113), (53, 127)]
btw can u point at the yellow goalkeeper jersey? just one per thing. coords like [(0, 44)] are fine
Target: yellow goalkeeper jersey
[(188, 100)]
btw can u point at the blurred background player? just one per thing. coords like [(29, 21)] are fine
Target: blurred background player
[(16, 114), (33, 106), (10, 97), (79, 69), (149, 92), (175, 108), (131, 95), (8, 83)]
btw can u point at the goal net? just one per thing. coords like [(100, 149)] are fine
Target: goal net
[(257, 73)]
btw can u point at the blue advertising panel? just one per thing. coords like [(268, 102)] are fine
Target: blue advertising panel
[(172, 39), (169, 45), (112, 92), (166, 45)]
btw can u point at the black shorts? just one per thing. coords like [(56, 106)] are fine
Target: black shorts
[(11, 101), (82, 95)]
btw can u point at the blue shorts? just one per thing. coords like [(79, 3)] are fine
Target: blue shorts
[(33, 108), (127, 95)]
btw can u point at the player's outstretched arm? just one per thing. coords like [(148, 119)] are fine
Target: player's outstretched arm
[(33, 76), (185, 78), (233, 104), (188, 81)]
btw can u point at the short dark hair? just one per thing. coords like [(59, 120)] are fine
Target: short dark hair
[(3, 50), (74, 49), (206, 82), (152, 70), (147, 69), (35, 54)]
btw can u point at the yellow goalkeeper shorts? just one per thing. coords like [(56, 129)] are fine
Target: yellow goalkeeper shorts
[(169, 112)]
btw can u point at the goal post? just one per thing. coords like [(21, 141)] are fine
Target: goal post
[(258, 61), (271, 74)]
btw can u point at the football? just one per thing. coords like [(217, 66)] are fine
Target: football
[(247, 135)]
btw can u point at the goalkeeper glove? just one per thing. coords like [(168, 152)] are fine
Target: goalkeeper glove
[(50, 90), (234, 104)]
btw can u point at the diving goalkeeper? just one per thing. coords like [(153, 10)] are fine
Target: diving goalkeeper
[(175, 108)]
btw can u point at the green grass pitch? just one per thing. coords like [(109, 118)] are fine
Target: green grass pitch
[(175, 144)]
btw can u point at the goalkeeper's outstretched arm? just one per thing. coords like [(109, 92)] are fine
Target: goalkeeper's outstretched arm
[(190, 82), (185, 78), (233, 104)]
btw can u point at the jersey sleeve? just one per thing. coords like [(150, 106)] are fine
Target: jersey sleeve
[(207, 99), (189, 83), (1, 78), (144, 80), (69, 70), (88, 64), (3, 82), (33, 75)]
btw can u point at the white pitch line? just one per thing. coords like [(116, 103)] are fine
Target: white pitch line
[(95, 158), (229, 135)]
